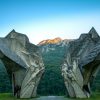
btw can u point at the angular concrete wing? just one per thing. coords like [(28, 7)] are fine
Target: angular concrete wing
[(23, 62), (81, 64)]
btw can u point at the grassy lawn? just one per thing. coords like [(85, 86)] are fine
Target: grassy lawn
[(95, 96), (5, 96), (8, 96)]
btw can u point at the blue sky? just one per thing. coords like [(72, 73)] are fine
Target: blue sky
[(43, 19)]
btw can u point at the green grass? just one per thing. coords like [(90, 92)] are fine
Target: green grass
[(8, 96), (95, 96)]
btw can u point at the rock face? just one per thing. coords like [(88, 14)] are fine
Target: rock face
[(23, 62), (45, 48), (50, 41), (81, 64)]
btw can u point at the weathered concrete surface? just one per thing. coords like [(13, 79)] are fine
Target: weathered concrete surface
[(81, 64), (23, 63)]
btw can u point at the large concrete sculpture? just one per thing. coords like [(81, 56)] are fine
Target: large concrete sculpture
[(23, 63), (81, 64)]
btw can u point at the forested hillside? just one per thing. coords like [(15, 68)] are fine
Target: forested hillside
[(52, 82)]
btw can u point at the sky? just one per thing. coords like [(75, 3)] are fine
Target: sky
[(47, 19)]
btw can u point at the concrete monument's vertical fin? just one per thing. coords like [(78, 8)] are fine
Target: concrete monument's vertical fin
[(81, 63), (23, 60)]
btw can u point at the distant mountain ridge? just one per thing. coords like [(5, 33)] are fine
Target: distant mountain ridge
[(54, 41), (50, 41)]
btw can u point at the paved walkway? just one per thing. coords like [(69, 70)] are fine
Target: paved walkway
[(51, 98)]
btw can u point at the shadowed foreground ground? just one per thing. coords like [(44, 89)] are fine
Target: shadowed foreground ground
[(8, 96)]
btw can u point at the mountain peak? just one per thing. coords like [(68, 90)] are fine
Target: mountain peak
[(50, 41)]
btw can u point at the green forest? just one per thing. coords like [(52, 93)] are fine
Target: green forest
[(52, 82)]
